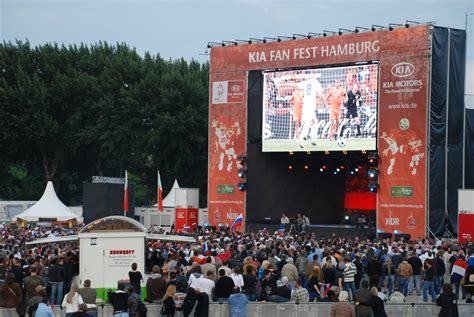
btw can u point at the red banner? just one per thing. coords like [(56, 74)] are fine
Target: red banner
[(360, 201), (403, 55)]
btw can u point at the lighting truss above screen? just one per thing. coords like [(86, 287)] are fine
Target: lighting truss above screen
[(325, 109)]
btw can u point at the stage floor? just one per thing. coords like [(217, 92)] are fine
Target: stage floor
[(343, 231)]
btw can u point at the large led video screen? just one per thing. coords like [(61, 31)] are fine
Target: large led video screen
[(325, 109)]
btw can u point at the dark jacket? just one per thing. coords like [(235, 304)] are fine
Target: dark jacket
[(378, 307), (119, 301), (132, 302), (56, 273), (10, 295), (449, 306), (169, 307), (224, 287), (155, 287)]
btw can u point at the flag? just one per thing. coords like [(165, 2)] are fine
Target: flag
[(125, 195), (205, 248), (237, 221), (459, 270), (159, 194)]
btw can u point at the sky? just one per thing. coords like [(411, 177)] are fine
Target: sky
[(182, 28)]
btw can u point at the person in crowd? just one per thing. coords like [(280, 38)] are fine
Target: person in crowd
[(301, 264), (169, 304), (237, 277), (428, 283), (32, 304), (448, 302), (440, 270), (342, 308), (17, 270), (457, 274), (133, 301), (208, 267), (89, 297), (469, 283), (284, 222), (238, 303), (82, 312), (283, 292), (56, 277), (314, 289), (374, 270), (224, 286), (397, 297), (44, 309), (135, 278), (377, 303), (350, 271), (195, 278), (290, 271), (388, 273), (32, 282), (207, 284), (71, 301), (250, 284), (417, 268), (405, 272), (155, 286), (11, 294), (363, 301), (119, 301), (299, 294)]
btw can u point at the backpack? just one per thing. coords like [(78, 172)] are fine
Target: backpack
[(141, 309)]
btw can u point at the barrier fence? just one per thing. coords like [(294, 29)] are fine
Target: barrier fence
[(284, 310)]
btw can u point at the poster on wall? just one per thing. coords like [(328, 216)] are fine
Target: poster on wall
[(465, 215)]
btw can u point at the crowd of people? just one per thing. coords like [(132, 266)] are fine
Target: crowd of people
[(237, 268)]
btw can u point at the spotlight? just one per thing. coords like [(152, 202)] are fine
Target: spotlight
[(242, 186), (341, 167), (346, 217), (356, 169), (338, 170), (306, 167), (376, 27), (325, 34), (321, 169), (373, 172), (395, 232), (373, 187), (352, 172), (324, 166), (242, 173), (291, 152), (340, 32), (290, 167), (335, 173)]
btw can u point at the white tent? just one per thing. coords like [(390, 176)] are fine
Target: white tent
[(48, 207), (169, 201)]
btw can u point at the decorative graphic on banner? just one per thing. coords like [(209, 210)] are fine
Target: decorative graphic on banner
[(465, 215)]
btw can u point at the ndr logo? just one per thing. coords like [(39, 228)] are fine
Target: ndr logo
[(231, 215), (392, 221), (403, 69)]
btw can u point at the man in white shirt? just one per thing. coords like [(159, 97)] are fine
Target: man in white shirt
[(207, 284)]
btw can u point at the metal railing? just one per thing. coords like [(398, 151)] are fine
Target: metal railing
[(285, 310)]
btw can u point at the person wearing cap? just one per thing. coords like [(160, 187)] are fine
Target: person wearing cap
[(40, 293), (342, 308), (283, 292)]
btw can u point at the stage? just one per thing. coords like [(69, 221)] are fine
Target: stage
[(343, 231)]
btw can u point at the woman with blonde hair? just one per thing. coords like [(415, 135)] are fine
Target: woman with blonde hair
[(71, 301), (169, 305), (263, 267)]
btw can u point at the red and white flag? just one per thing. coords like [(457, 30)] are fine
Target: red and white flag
[(125, 195), (159, 193)]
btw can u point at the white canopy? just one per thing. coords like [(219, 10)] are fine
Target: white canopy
[(169, 200), (48, 207)]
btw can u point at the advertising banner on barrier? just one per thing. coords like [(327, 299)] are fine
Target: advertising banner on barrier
[(465, 215), (401, 100)]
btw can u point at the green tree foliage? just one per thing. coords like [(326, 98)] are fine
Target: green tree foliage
[(68, 113)]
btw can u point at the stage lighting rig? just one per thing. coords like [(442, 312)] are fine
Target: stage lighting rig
[(255, 40), (358, 28), (373, 158), (392, 25), (327, 32), (242, 41), (409, 22), (312, 34), (227, 43), (299, 36), (269, 39), (373, 186), (283, 38), (376, 27), (373, 173), (242, 173), (242, 186), (213, 44), (342, 31)]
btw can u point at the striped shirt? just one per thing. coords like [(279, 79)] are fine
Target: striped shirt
[(349, 272)]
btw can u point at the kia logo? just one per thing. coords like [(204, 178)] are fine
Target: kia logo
[(403, 69), (235, 88)]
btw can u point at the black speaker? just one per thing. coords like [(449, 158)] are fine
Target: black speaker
[(384, 235), (102, 200), (404, 236)]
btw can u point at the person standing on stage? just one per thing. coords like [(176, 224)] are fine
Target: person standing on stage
[(305, 223)]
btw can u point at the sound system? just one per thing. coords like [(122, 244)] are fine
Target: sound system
[(404, 236), (104, 199), (384, 235)]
